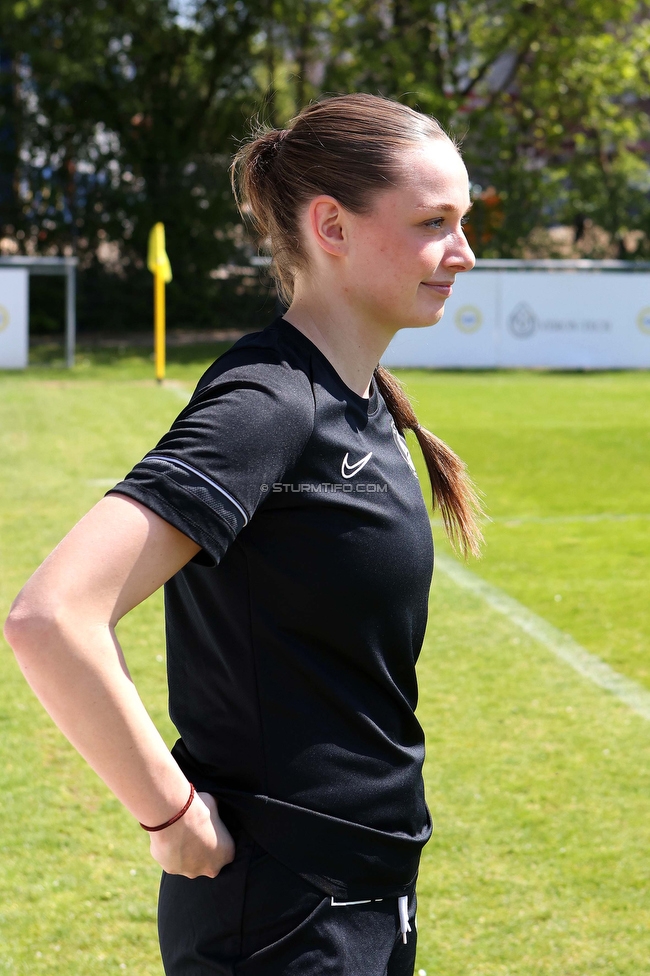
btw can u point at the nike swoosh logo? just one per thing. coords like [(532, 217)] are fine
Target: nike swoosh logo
[(349, 470)]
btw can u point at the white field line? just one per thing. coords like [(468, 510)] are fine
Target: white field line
[(178, 391), (513, 520), (560, 644), (562, 519)]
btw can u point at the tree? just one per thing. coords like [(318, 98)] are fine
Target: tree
[(114, 115), (551, 100), (128, 116)]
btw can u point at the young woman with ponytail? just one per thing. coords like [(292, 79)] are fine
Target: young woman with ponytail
[(283, 515)]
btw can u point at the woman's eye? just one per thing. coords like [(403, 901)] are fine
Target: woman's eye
[(437, 222)]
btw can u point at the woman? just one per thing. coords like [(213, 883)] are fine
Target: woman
[(283, 515)]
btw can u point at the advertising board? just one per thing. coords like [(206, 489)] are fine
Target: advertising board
[(535, 319), (14, 292)]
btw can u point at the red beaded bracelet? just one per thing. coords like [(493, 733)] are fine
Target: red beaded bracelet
[(173, 819)]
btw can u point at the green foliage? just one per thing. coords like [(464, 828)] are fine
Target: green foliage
[(129, 116), (550, 100), (125, 114)]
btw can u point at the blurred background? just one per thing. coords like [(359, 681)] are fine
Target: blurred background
[(115, 115)]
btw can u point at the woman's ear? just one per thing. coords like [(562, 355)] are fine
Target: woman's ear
[(328, 225)]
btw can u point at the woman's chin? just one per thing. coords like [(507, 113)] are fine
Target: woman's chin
[(426, 318)]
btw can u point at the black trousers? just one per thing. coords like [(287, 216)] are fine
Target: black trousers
[(258, 918)]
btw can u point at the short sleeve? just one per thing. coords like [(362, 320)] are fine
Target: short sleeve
[(240, 434)]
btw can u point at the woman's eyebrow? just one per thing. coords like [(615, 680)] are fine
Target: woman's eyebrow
[(444, 207)]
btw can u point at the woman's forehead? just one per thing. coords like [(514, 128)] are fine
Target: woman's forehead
[(434, 177)]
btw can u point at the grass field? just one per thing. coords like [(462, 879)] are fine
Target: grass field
[(538, 781)]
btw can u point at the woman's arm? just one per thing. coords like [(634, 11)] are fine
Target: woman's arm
[(62, 630)]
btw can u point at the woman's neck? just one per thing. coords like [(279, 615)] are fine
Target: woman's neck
[(352, 345)]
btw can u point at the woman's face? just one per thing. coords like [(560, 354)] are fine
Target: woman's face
[(402, 258)]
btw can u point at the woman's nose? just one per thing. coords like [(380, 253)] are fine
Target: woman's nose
[(460, 255)]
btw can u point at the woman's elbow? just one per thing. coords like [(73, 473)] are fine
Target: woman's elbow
[(29, 627)]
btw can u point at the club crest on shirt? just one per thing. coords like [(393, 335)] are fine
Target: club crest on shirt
[(401, 445)]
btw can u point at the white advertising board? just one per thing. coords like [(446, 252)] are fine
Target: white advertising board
[(543, 319), (585, 320), (14, 293), (465, 335)]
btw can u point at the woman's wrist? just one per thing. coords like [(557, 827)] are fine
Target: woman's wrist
[(177, 816), (163, 792)]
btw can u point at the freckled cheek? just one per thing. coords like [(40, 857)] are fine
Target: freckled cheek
[(375, 263), (389, 263), (384, 284)]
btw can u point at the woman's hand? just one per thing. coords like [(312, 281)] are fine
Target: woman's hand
[(197, 844)]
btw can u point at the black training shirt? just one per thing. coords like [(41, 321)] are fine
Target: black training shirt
[(292, 637)]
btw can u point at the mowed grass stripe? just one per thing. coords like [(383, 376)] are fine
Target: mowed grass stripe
[(562, 645), (512, 521), (544, 448), (77, 886), (537, 782)]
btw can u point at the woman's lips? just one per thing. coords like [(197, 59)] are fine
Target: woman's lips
[(441, 287)]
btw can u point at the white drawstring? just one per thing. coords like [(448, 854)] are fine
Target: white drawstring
[(403, 909), (343, 904)]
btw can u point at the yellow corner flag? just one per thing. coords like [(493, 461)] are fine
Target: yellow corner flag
[(158, 264)]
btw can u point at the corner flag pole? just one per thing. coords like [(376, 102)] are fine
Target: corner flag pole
[(158, 264), (159, 324)]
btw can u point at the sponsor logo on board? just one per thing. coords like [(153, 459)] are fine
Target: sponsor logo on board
[(468, 319), (523, 323), (643, 320)]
